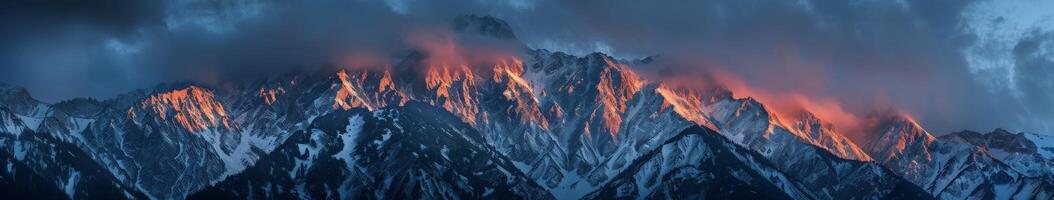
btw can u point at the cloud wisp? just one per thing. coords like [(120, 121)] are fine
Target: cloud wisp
[(944, 62)]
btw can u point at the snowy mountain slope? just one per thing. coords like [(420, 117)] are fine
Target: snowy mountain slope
[(1021, 152), (65, 119), (37, 160), (949, 169), (562, 116), (1044, 143), (174, 139), (750, 123), (167, 143), (415, 151), (18, 181), (41, 152), (511, 116), (699, 163), (164, 142), (19, 101), (1017, 150), (571, 124), (804, 149), (824, 136), (11, 124)]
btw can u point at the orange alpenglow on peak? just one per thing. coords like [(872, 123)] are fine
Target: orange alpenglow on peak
[(270, 96), (194, 108), (353, 90), (386, 82), (347, 96), (520, 91), (616, 87), (686, 103), (454, 87)]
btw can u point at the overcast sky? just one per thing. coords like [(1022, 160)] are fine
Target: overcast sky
[(952, 64)]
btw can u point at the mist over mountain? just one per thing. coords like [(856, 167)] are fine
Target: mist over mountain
[(974, 64), (521, 100)]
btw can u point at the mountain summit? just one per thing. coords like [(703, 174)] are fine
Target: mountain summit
[(536, 124)]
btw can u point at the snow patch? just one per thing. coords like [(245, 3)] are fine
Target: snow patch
[(70, 184), (384, 138), (351, 132), (11, 127), (78, 127), (1045, 144), (310, 150), (445, 152), (31, 122), (20, 151)]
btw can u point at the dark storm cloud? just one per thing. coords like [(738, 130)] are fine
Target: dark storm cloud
[(64, 50), (233, 41), (115, 17), (1036, 78), (903, 54), (867, 55), (57, 46)]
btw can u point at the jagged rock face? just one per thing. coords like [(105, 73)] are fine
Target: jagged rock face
[(48, 168), (572, 122), (698, 163), (410, 152), (176, 139), (951, 168), (574, 140), (19, 101), (750, 123), (10, 123), (19, 112), (165, 143), (824, 136), (998, 139), (78, 107), (1020, 151), (523, 126), (193, 108), (563, 115), (18, 181), (804, 151), (899, 139), (70, 116)]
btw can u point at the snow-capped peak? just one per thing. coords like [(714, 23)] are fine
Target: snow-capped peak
[(896, 136), (193, 108), (19, 101), (823, 134), (997, 139)]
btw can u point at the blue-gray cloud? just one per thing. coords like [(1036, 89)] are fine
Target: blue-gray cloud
[(917, 55)]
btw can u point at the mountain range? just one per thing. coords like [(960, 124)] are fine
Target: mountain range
[(537, 124)]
